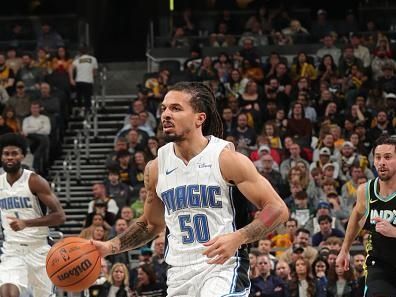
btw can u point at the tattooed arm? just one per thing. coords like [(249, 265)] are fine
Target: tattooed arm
[(239, 170), (148, 226)]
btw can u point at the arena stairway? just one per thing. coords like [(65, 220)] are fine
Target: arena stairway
[(92, 169)]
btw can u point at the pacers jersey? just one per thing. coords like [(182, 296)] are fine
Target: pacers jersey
[(380, 247), (197, 200), (18, 201)]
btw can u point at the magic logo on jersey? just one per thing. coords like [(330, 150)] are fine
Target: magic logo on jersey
[(191, 196), (15, 202), (388, 215)]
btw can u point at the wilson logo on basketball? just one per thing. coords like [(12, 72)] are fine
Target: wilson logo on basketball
[(75, 271)]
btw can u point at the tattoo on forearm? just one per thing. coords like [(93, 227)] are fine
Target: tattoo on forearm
[(267, 221), (136, 235)]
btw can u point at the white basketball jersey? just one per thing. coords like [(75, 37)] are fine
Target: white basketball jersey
[(197, 200), (18, 201)]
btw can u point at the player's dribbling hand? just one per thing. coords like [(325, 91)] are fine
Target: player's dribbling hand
[(16, 224), (221, 248), (343, 260), (104, 247), (384, 227)]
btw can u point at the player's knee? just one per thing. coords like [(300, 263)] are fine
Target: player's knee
[(9, 290)]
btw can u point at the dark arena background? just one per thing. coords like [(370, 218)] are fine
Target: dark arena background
[(304, 88)]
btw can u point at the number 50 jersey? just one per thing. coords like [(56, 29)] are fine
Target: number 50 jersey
[(198, 201)]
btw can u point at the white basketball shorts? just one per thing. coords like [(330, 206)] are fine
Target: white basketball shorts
[(24, 266), (208, 280)]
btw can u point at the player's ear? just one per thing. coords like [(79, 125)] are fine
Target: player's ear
[(201, 117)]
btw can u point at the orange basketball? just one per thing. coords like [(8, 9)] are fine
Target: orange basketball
[(73, 264)]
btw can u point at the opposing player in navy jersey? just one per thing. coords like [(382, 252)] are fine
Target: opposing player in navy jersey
[(375, 211), (190, 191), (28, 207)]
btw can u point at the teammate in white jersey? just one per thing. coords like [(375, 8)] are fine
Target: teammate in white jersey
[(24, 200), (189, 191)]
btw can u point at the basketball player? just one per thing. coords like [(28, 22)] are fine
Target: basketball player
[(375, 211), (24, 200), (189, 190)]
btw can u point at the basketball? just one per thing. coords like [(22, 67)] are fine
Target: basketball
[(73, 264)]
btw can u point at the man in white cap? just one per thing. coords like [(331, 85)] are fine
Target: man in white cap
[(349, 157)]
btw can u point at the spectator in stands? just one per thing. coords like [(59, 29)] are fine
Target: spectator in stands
[(249, 52), (125, 167), (347, 60), (314, 189), (135, 124), (321, 27), (127, 214), (271, 132), (244, 135), (99, 193), (120, 144), (221, 37), (298, 126), (206, 71), (99, 233), (250, 101), (37, 128), (118, 283), (300, 208), (296, 32), (252, 71), (273, 176), (323, 209), (7, 76), (302, 282), (51, 107), (138, 205), (256, 33), (253, 269), (115, 189), (4, 128), (309, 111), (48, 38), (262, 16), (20, 101), (119, 227), (327, 68), (158, 260), (387, 82), (283, 271), (187, 22), (267, 284), (295, 156), (329, 49), (147, 282), (320, 267), (158, 84), (43, 62), (284, 241), (361, 52), (326, 230), (30, 76), (137, 106), (302, 67), (302, 239), (60, 65), (101, 207), (137, 177), (11, 119), (17, 34), (179, 38), (379, 61), (381, 125), (13, 61), (85, 67), (276, 98), (96, 220), (341, 282)]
